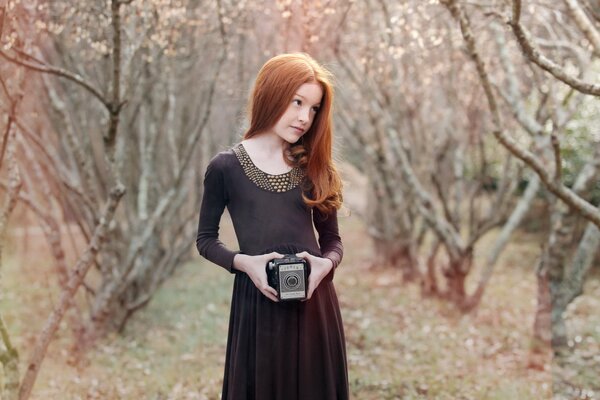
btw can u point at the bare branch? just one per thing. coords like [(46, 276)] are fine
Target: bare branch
[(62, 173), (440, 193), (582, 262), (2, 17), (8, 353), (59, 72), (533, 54), (586, 26), (201, 123), (75, 280), (5, 138), (586, 209), (11, 352), (513, 222), (74, 145), (114, 107), (557, 159), (516, 11)]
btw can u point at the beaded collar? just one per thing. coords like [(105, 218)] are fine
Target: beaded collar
[(272, 183)]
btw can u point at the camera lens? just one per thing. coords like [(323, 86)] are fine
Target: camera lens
[(291, 281)]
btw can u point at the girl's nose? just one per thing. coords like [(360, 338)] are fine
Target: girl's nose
[(303, 115)]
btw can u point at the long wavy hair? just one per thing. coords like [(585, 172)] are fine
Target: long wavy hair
[(276, 84)]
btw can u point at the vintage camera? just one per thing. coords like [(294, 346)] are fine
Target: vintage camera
[(289, 276)]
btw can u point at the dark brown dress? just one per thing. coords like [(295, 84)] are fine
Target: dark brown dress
[(284, 350)]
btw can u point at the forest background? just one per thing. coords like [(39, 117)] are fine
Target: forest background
[(468, 137)]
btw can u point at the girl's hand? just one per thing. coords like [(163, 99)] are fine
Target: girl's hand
[(319, 268), (255, 268)]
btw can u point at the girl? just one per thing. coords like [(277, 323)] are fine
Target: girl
[(275, 183)]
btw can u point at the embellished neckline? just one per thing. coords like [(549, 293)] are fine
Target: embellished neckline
[(270, 182), (246, 155)]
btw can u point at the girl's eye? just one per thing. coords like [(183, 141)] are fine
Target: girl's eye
[(299, 103)]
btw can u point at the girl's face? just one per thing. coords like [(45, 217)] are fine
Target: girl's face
[(300, 114)]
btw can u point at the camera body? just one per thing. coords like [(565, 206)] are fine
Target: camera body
[(289, 276)]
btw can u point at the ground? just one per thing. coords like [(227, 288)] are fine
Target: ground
[(400, 345)]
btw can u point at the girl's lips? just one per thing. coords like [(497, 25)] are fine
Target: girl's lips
[(298, 129)]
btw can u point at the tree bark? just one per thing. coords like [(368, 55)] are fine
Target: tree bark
[(75, 280), (9, 356)]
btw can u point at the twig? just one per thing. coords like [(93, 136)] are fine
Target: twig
[(2, 17), (10, 120), (557, 159), (586, 209), (586, 26), (59, 72), (533, 54)]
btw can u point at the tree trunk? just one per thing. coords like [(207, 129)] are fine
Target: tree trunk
[(399, 254), (429, 283), (550, 276), (9, 356), (540, 347), (456, 274), (542, 326)]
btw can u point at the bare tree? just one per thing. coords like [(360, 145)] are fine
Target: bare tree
[(21, 29), (9, 356), (562, 267), (552, 183), (438, 183)]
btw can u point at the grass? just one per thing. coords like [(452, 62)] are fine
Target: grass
[(400, 345)]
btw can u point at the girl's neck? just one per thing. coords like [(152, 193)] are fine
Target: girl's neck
[(268, 144)]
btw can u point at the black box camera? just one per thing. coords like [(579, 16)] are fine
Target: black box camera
[(289, 276)]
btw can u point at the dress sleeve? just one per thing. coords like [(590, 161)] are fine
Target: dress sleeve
[(329, 237), (214, 200)]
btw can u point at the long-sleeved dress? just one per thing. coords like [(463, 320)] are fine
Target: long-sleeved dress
[(275, 350)]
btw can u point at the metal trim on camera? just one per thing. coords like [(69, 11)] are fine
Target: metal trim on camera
[(289, 276)]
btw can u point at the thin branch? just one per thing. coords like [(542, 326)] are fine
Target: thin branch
[(2, 17), (515, 218), (75, 280), (63, 174), (586, 26), (557, 159), (533, 54), (592, 11), (59, 72), (201, 123), (11, 114), (8, 353), (440, 192), (516, 11), (115, 105), (586, 209)]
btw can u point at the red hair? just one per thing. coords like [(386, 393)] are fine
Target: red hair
[(276, 84)]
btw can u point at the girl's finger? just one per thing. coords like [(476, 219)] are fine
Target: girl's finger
[(265, 288), (311, 288), (272, 291), (270, 296)]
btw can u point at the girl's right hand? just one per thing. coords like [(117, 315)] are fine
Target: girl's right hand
[(255, 268)]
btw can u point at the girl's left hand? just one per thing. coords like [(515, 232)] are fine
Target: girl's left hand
[(319, 268)]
